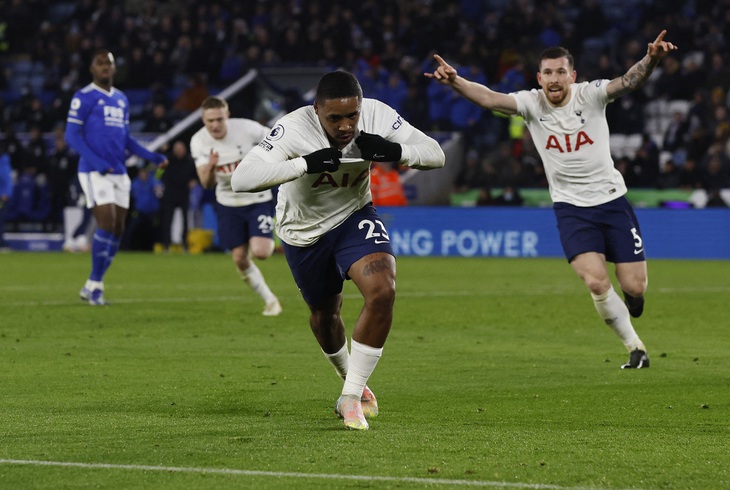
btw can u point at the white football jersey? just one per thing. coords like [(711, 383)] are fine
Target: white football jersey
[(573, 142), (241, 136), (310, 205)]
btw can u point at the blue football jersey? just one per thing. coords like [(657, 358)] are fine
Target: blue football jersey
[(97, 127)]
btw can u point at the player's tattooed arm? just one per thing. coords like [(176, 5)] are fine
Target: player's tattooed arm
[(639, 73), (632, 79)]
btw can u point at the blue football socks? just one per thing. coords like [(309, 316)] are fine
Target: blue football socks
[(111, 251), (101, 244)]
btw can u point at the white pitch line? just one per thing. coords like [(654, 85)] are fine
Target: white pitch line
[(125, 301), (199, 299), (287, 474), (546, 291)]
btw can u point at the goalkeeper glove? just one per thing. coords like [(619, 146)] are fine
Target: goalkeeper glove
[(377, 149), (324, 160)]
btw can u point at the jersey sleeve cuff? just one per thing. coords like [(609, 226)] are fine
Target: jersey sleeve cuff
[(300, 164)]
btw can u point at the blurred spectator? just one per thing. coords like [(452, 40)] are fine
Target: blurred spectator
[(5, 110), (440, 98), (36, 151), (143, 218), (698, 143), (509, 168), (699, 110), (61, 101), (464, 115), (668, 176), (36, 116), (6, 193), (181, 53), (385, 185), (158, 121), (531, 163), (626, 115), (292, 100), (20, 20), (715, 200), (623, 165), (13, 147), (512, 80), (550, 35), (395, 92), (30, 202), (161, 68), (415, 108), (203, 56), (141, 70), (21, 110), (178, 180), (199, 197), (719, 126), (645, 165), (485, 197), (715, 172), (62, 168), (290, 45), (158, 95), (510, 197), (676, 133), (79, 241), (590, 22), (694, 74), (231, 67), (471, 175), (192, 95), (689, 175), (670, 83), (605, 70), (719, 73)]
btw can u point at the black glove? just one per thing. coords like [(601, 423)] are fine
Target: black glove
[(377, 149), (324, 160)]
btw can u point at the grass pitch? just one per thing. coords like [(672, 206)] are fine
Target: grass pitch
[(497, 373)]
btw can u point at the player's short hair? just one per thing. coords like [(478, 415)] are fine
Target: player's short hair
[(101, 52), (338, 85), (555, 53), (213, 102)]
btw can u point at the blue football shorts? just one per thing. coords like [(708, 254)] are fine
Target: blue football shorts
[(320, 270), (236, 225), (610, 229)]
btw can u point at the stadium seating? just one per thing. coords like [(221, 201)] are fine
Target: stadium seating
[(625, 145)]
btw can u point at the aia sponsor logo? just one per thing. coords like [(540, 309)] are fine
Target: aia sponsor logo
[(346, 179), (569, 143)]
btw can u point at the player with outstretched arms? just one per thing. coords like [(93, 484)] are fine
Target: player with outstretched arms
[(245, 219), (321, 156), (567, 121)]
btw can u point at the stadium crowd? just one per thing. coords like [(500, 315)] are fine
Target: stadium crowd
[(176, 52)]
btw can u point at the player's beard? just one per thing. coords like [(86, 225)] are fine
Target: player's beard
[(556, 98)]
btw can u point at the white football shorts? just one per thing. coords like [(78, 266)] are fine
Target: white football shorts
[(105, 189)]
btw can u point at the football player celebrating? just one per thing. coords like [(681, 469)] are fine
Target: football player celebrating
[(567, 121), (98, 129), (321, 156)]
